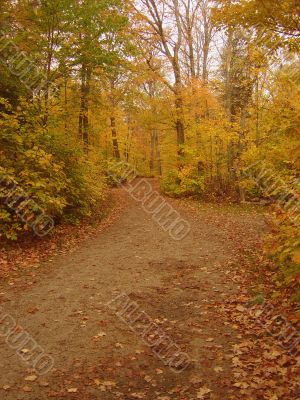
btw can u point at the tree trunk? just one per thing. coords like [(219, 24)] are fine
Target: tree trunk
[(205, 61), (240, 150), (206, 45), (155, 153), (50, 44), (83, 126), (257, 140), (158, 160), (152, 150), (180, 129), (116, 151), (228, 83), (66, 101), (191, 52)]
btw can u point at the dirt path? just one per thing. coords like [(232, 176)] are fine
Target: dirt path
[(180, 284)]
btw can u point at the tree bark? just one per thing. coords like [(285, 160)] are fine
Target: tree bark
[(116, 151), (228, 82), (83, 125), (50, 46), (155, 153), (180, 129), (158, 159), (152, 149), (66, 101), (206, 42)]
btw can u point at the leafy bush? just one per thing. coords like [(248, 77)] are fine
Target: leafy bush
[(284, 247), (184, 182), (45, 168)]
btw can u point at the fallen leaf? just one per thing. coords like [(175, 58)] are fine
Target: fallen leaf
[(218, 369), (72, 390), (44, 383), (242, 385), (203, 392), (99, 335), (108, 383), (139, 395), (196, 381), (31, 378)]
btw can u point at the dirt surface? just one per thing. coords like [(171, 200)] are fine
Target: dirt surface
[(182, 285)]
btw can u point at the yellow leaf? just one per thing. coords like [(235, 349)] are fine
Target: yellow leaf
[(31, 378), (296, 257), (202, 392), (72, 390)]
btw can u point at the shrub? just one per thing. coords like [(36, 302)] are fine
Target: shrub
[(45, 167), (183, 182)]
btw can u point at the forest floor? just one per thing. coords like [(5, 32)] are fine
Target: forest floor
[(196, 290)]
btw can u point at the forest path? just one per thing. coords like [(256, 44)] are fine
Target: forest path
[(181, 285)]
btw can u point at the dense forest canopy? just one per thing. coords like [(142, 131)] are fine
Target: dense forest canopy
[(193, 92)]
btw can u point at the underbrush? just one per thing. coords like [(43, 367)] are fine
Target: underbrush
[(182, 183), (43, 173), (283, 246)]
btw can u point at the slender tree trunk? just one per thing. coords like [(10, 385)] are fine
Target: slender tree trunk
[(206, 46), (155, 153), (113, 124), (219, 164), (82, 103), (158, 159), (128, 141), (86, 113), (116, 151), (211, 159), (191, 53), (152, 150), (66, 101), (257, 112), (228, 83), (230, 161), (240, 150), (180, 129), (205, 62), (83, 126), (50, 39)]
